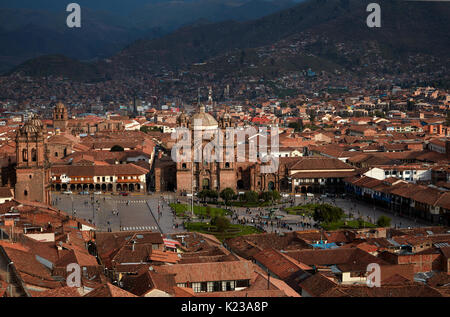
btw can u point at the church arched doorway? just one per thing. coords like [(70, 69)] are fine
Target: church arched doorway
[(205, 183), (271, 185), (240, 184)]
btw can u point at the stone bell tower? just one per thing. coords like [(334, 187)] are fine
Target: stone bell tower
[(60, 117), (33, 169)]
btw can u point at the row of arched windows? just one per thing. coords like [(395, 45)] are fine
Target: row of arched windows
[(33, 155)]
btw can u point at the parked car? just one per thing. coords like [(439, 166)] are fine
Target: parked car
[(67, 192), (98, 193), (84, 193), (124, 194)]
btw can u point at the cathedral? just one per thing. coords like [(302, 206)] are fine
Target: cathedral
[(188, 176)]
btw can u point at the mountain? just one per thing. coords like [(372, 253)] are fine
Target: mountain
[(59, 65), (32, 33), (330, 35), (406, 27), (32, 28)]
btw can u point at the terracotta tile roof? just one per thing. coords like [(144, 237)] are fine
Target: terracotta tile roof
[(109, 290), (280, 264), (402, 290), (203, 272), (345, 259), (65, 291), (109, 242), (317, 285), (164, 256), (319, 163), (146, 281), (244, 293), (100, 170)]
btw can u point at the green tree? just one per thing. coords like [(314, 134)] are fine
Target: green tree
[(221, 223), (227, 194), (203, 194), (327, 213), (213, 194), (276, 195), (384, 221), (251, 196), (297, 126), (266, 196), (145, 129), (117, 148)]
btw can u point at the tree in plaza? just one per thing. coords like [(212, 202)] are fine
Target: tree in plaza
[(117, 148), (251, 196), (213, 194), (384, 221), (203, 194), (221, 223), (227, 194), (266, 196), (275, 195), (271, 195), (327, 213)]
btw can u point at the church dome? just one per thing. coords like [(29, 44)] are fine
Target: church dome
[(35, 122), (203, 120), (30, 128), (33, 125)]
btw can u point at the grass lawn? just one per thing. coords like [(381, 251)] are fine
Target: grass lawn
[(303, 210), (234, 230), (351, 224), (183, 210)]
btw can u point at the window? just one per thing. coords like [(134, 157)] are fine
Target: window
[(25, 155), (33, 155), (227, 165), (183, 165), (25, 192), (217, 286), (242, 283), (196, 287), (56, 154), (203, 287)]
